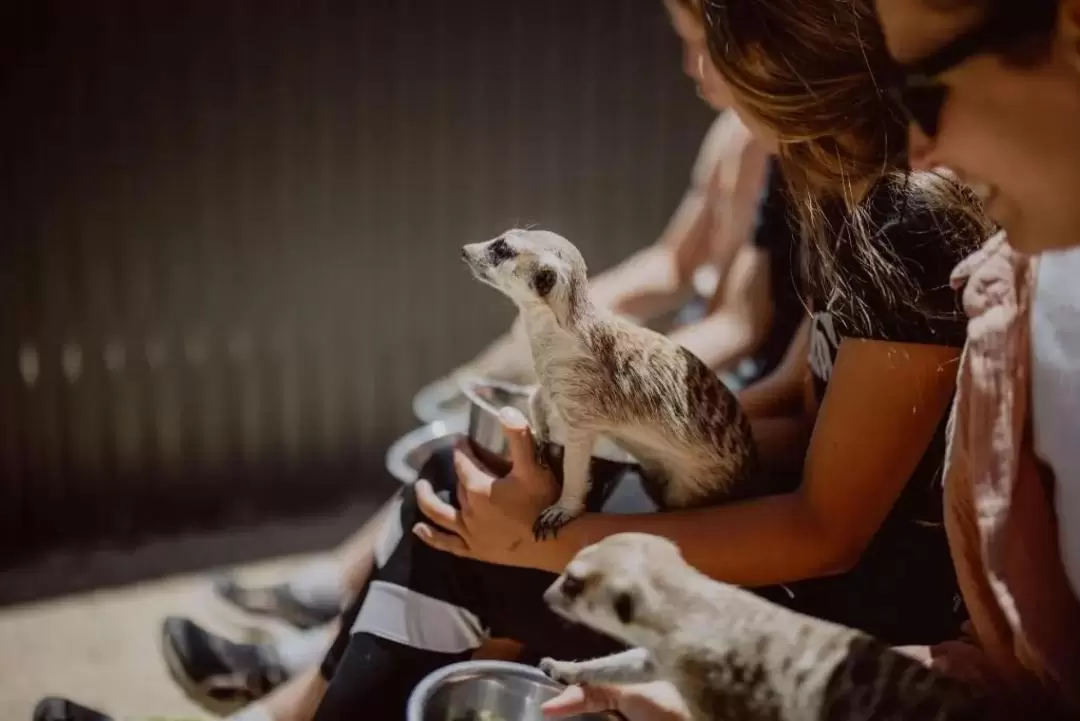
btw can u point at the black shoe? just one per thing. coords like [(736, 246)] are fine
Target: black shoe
[(52, 708), (277, 601), (219, 675)]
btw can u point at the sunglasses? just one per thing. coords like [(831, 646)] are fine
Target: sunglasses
[(919, 92)]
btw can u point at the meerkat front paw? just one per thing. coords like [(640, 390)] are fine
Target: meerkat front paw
[(553, 518), (542, 453), (566, 672)]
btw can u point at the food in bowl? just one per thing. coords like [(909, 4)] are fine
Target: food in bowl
[(473, 715)]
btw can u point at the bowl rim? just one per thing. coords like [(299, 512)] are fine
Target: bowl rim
[(605, 449), (424, 690), (394, 460), (469, 384)]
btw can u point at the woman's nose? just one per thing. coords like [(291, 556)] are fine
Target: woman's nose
[(921, 149)]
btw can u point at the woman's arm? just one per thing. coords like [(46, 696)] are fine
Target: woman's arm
[(739, 324), (882, 408), (781, 392), (655, 279)]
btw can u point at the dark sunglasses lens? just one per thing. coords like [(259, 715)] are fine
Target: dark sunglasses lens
[(923, 105)]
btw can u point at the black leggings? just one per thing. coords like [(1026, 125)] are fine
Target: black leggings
[(423, 609)]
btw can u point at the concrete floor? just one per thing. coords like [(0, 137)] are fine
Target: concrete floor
[(84, 623), (101, 648)]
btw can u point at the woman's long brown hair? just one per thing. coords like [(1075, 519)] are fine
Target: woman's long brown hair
[(816, 73)]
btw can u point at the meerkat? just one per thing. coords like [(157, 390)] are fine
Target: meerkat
[(600, 375), (734, 655)]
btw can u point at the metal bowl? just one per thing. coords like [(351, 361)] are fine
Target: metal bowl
[(439, 400), (481, 425), (473, 690), (487, 398), (408, 454), (609, 463)]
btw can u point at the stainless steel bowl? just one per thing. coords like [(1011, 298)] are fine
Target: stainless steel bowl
[(465, 691), (487, 398), (481, 425), (439, 400), (609, 464), (408, 454)]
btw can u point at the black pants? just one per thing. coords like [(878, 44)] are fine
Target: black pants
[(423, 609)]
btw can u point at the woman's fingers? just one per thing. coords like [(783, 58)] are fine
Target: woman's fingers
[(520, 446), (447, 542), (471, 475), (436, 509), (575, 700)]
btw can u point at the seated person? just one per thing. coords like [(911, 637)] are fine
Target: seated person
[(1003, 111)]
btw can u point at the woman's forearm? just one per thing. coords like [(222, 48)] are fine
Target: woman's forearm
[(507, 358), (781, 393), (642, 287), (753, 543), (722, 339)]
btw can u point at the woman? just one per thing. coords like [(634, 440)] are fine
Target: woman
[(857, 540), (998, 99)]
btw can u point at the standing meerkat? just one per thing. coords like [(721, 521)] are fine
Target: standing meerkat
[(734, 655), (600, 375)]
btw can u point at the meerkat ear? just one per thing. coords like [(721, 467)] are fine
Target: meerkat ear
[(624, 607), (543, 281)]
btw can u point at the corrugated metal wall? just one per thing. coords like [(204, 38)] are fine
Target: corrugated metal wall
[(229, 230)]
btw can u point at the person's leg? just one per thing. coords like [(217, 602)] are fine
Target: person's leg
[(315, 593), (295, 700), (221, 675), (356, 556)]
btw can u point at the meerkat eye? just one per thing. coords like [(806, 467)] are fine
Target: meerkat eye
[(624, 607), (499, 250), (543, 281), (572, 586)]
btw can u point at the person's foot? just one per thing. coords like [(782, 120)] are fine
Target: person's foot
[(52, 708), (214, 672), (278, 601)]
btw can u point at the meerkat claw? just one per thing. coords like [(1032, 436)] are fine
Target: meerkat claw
[(550, 521), (556, 670), (540, 449)]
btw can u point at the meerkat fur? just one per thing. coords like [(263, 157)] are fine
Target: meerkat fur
[(733, 655), (600, 375)]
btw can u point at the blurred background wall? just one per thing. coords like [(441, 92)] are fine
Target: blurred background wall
[(229, 232)]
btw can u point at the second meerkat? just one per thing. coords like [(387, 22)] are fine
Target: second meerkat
[(734, 656), (600, 375)]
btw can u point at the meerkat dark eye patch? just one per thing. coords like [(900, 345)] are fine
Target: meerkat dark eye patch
[(543, 281), (499, 250), (572, 586), (624, 607)]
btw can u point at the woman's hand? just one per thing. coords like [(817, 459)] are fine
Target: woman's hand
[(496, 511), (653, 701)]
